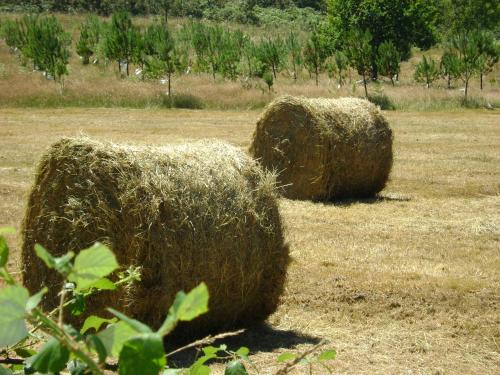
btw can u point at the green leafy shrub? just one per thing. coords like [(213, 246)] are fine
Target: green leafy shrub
[(47, 345)]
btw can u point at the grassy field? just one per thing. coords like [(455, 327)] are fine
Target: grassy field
[(407, 283)]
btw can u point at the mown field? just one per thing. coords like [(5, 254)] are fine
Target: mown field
[(407, 283)]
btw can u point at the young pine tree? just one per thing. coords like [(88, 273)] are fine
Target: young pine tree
[(162, 57), (29, 35), (314, 56), (294, 53), (427, 71), (341, 65), (388, 60), (337, 66), (230, 54), (10, 32), (449, 66), (90, 32), (467, 47), (490, 51), (52, 51), (121, 40), (43, 41), (272, 53), (359, 52)]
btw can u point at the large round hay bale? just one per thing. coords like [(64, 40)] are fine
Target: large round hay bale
[(190, 213), (324, 149)]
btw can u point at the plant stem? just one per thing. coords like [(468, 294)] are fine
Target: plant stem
[(53, 329), (61, 307)]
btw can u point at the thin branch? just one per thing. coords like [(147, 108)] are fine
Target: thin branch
[(11, 361), (205, 341), (285, 369), (61, 308)]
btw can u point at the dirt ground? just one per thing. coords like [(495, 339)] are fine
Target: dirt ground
[(404, 284)]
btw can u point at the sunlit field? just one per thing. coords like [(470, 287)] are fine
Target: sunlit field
[(405, 283)]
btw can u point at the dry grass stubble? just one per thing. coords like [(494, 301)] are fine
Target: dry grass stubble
[(404, 284)]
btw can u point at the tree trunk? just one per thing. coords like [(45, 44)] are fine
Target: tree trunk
[(119, 68), (481, 80), (274, 70), (364, 84), (374, 67), (392, 80), (466, 88), (449, 82), (127, 69), (317, 74), (169, 85)]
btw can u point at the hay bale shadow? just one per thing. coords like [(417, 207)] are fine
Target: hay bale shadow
[(370, 200), (261, 338)]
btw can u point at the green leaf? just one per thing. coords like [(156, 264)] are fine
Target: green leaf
[(235, 368), (4, 252), (5, 371), (13, 300), (95, 322), (142, 354), (63, 264), (96, 343), (25, 353), (104, 284), (7, 230), (34, 300), (210, 350), (114, 336), (202, 360), (186, 307), (5, 275), (44, 255), (77, 305), (243, 352), (91, 265), (51, 358), (17, 368), (286, 357), (327, 355), (135, 324), (194, 304), (73, 332)]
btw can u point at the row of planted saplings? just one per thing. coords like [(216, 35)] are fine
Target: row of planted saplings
[(204, 211)]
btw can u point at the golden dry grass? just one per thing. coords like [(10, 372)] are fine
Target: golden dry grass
[(404, 284)]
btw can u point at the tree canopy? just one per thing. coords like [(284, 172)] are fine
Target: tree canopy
[(403, 22)]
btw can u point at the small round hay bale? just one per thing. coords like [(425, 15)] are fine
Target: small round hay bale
[(324, 149), (186, 214)]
